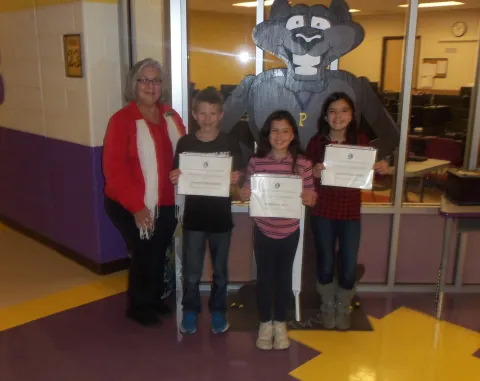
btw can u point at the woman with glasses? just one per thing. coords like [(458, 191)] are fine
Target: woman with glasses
[(139, 198)]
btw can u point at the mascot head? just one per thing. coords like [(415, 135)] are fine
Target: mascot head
[(308, 38)]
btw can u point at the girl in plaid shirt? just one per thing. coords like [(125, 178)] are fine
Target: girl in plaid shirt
[(276, 239), (336, 215)]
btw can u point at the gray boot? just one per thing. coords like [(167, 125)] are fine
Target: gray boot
[(327, 292), (343, 308)]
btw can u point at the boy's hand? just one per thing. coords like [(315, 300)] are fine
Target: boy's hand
[(317, 170), (245, 193), (309, 197), (174, 175), (234, 177), (381, 167)]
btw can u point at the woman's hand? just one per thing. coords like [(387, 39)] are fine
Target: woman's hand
[(381, 167), (317, 170), (174, 175), (143, 219), (234, 177), (309, 197), (245, 192)]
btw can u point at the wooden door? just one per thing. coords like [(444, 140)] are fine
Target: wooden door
[(393, 62)]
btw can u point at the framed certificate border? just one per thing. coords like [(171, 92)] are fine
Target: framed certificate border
[(205, 161), (257, 185), (343, 158), (72, 53)]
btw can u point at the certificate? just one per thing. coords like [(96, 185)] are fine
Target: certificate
[(276, 196), (349, 166), (204, 174)]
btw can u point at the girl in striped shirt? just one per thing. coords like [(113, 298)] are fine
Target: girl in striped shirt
[(276, 239)]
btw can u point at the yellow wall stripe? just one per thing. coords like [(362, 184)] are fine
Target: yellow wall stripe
[(19, 5)]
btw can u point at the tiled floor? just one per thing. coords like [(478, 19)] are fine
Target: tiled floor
[(68, 324)]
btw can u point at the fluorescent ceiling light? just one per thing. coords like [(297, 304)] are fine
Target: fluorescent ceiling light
[(249, 4), (268, 3), (435, 4)]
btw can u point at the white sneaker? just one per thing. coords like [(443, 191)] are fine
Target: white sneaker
[(280, 335), (265, 336)]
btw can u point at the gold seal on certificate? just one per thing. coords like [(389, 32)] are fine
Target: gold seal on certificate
[(204, 174), (349, 166), (276, 196)]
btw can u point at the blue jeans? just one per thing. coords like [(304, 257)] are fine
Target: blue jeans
[(326, 232), (194, 245)]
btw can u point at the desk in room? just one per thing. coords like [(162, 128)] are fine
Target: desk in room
[(420, 169), (468, 218)]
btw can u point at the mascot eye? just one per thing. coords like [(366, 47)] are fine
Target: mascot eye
[(295, 22), (320, 23)]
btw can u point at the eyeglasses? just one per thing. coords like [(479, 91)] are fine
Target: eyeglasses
[(146, 81)]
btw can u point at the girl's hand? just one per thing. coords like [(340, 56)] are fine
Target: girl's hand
[(309, 197), (143, 219), (381, 167), (174, 175), (245, 193), (234, 177), (317, 170)]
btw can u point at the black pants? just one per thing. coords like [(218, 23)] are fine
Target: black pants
[(147, 265), (274, 259), (194, 243)]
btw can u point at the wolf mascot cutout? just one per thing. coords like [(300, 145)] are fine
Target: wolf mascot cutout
[(308, 39)]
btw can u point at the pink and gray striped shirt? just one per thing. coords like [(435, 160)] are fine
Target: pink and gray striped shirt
[(280, 227)]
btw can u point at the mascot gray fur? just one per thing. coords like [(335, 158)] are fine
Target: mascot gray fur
[(308, 39)]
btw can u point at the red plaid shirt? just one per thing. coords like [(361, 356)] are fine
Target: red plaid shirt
[(334, 202)]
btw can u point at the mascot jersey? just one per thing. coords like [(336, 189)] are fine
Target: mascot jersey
[(308, 39)]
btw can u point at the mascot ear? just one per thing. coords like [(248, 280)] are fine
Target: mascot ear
[(340, 9), (280, 9)]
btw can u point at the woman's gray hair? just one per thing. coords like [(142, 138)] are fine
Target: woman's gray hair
[(134, 74)]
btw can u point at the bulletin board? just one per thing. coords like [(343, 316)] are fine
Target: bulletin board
[(439, 66)]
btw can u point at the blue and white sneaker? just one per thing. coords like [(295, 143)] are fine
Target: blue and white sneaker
[(219, 322), (189, 323)]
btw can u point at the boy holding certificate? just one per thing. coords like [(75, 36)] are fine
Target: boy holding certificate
[(206, 218), (336, 215)]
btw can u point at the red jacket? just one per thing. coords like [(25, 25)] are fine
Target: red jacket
[(124, 181)]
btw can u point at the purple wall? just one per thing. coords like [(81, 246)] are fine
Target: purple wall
[(420, 249), (375, 246), (471, 271), (55, 188)]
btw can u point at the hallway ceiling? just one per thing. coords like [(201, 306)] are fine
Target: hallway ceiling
[(367, 7)]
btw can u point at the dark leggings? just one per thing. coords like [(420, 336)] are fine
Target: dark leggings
[(274, 259)]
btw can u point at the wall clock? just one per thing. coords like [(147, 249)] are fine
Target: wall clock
[(459, 29)]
